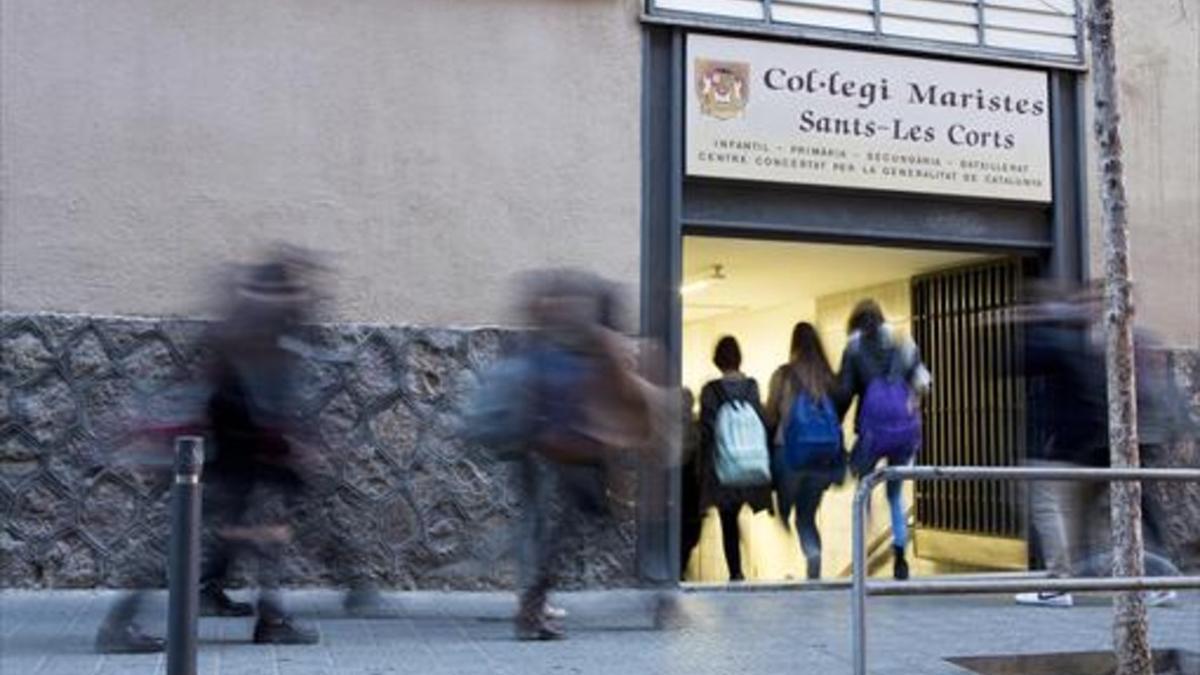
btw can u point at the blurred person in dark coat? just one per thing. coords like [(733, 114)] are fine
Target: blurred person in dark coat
[(1066, 372), (251, 412), (247, 413)]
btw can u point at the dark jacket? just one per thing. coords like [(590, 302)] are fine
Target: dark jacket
[(1065, 378), (868, 357), (712, 397), (250, 410)]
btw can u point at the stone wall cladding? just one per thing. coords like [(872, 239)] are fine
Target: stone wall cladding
[(380, 411)]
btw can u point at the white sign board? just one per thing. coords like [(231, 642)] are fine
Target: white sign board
[(788, 113)]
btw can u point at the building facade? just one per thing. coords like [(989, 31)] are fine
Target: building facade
[(434, 150)]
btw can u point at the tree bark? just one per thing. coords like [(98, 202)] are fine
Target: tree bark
[(1130, 623)]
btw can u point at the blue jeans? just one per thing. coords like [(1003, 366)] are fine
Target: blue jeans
[(895, 497)]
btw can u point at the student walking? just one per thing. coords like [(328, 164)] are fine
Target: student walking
[(806, 431), (735, 467), (569, 409), (887, 377)]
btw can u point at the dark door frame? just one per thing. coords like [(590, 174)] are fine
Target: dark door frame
[(674, 205)]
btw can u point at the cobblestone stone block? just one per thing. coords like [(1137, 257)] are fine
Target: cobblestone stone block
[(19, 456), (45, 408), (26, 355)]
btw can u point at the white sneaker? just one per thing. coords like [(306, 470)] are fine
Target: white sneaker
[(1046, 599), (552, 612), (1161, 598)]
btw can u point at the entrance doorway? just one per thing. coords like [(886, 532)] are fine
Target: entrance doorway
[(756, 290)]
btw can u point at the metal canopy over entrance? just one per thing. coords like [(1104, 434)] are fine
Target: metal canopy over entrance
[(1037, 31)]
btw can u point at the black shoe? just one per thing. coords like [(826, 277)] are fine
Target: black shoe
[(127, 639), (899, 564), (814, 569), (214, 602), (283, 632)]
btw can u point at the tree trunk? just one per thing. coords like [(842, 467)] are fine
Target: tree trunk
[(1130, 625)]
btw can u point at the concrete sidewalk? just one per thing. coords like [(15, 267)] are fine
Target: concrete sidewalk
[(51, 632)]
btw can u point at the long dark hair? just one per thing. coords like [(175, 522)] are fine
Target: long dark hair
[(808, 361)]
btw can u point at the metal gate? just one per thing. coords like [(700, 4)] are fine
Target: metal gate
[(976, 412)]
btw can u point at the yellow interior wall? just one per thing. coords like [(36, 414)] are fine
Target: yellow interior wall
[(769, 550)]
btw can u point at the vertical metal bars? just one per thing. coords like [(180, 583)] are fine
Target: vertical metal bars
[(974, 413)]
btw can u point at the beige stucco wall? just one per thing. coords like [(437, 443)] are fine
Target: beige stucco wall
[(431, 148), (1158, 49)]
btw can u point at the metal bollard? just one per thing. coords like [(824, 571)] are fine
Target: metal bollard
[(183, 566)]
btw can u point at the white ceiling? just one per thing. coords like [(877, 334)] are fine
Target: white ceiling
[(763, 274)]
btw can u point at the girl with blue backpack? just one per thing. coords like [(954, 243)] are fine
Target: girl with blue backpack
[(887, 377), (809, 455)]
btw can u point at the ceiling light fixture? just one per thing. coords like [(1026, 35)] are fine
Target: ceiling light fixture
[(693, 287)]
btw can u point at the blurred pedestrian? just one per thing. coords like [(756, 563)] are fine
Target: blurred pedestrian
[(735, 458), (563, 408), (806, 433), (1164, 422), (244, 405), (251, 412), (255, 413), (886, 376), (121, 633), (691, 516), (1066, 372)]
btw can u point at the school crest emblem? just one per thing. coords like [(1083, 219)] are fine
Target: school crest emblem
[(723, 88)]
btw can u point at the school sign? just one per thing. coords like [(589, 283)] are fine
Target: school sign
[(786, 113)]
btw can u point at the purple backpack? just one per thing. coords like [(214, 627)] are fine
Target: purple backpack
[(890, 420)]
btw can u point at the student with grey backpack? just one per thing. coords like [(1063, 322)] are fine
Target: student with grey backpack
[(734, 456)]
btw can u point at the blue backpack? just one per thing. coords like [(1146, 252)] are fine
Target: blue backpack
[(813, 436), (541, 389), (498, 413)]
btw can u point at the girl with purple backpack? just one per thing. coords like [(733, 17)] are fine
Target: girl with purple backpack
[(887, 377)]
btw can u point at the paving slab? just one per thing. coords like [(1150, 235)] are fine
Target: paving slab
[(611, 632)]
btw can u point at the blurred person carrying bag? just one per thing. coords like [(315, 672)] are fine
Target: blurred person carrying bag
[(571, 407), (498, 415), (593, 405)]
